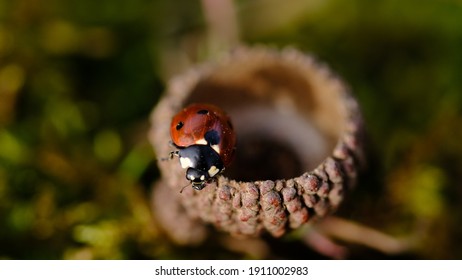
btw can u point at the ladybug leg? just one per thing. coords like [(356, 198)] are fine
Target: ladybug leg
[(211, 181), (171, 155)]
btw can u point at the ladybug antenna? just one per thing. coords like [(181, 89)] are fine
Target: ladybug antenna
[(182, 189)]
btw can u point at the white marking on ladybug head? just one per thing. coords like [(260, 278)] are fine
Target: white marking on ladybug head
[(185, 162), (202, 178), (213, 170), (201, 142), (216, 148)]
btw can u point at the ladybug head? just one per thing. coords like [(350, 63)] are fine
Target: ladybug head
[(197, 177)]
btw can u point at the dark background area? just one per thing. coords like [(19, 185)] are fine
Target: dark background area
[(78, 80)]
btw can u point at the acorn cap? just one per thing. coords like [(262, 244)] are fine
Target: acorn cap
[(299, 145)]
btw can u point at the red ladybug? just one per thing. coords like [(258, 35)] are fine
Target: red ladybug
[(205, 139)]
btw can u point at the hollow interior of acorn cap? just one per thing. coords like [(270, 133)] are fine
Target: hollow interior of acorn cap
[(286, 117)]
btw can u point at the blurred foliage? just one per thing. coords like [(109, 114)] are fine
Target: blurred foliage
[(79, 78)]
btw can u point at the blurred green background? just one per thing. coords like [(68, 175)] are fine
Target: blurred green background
[(79, 78)]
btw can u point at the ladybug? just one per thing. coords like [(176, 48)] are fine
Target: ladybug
[(205, 139)]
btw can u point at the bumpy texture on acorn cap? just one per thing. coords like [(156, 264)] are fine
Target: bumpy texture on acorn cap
[(300, 145)]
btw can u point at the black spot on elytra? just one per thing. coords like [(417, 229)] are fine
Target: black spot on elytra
[(212, 137), (179, 125), (203, 112)]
